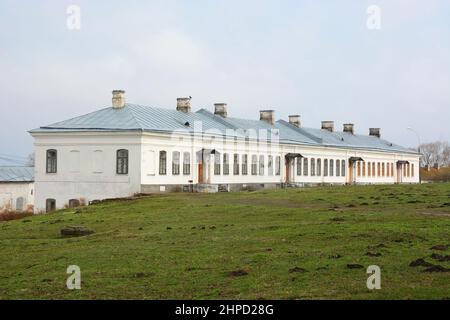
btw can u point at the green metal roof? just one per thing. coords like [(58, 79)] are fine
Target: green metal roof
[(143, 118)]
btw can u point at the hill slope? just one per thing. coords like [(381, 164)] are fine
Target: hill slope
[(284, 244)]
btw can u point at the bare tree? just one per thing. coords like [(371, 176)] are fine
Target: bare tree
[(435, 153)]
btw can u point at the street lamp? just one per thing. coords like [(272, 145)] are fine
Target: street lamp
[(418, 148)]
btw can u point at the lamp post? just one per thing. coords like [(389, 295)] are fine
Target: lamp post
[(418, 148)]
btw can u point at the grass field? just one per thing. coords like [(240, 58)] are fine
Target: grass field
[(279, 244)]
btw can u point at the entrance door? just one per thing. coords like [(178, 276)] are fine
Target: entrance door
[(200, 173)]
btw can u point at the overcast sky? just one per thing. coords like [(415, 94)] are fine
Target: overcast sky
[(314, 58)]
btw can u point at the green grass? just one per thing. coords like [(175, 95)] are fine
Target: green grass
[(184, 246)]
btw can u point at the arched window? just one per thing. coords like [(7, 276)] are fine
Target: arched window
[(175, 163), (162, 162), (277, 165), (338, 168), (299, 166), (73, 203), (226, 164), (217, 164), (325, 167), (319, 167), (313, 167), (122, 162), (305, 166), (52, 161), (186, 163), (20, 203), (343, 168), (331, 167), (50, 205)]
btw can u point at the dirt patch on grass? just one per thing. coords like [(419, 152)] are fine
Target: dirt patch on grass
[(237, 273)]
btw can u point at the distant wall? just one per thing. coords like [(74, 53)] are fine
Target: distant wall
[(10, 192)]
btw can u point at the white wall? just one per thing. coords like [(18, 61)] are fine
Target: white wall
[(11, 191), (86, 167)]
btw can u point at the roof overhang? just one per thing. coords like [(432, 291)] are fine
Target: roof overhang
[(402, 162), (293, 155), (355, 159)]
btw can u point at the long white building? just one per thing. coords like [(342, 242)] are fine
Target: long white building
[(126, 149)]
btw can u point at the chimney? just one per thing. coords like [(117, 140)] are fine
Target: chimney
[(184, 104), (268, 116), (295, 120), (375, 132), (118, 99), (349, 127), (328, 125), (220, 109)]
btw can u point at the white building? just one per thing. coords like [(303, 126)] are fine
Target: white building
[(127, 149), (16, 189)]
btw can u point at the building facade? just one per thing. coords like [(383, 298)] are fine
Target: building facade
[(126, 149), (16, 189)]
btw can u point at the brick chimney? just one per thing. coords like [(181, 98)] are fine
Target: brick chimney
[(184, 104), (328, 125), (375, 132), (349, 128), (118, 99), (220, 109), (295, 120), (268, 116)]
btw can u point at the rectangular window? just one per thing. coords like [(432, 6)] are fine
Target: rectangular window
[(52, 156), (254, 165), (122, 162), (374, 173), (392, 169), (236, 164), (244, 164), (363, 169), (261, 165), (186, 163), (368, 169), (379, 169), (313, 167), (338, 168), (359, 168), (299, 166), (277, 165), (388, 170), (383, 171), (325, 168), (217, 164), (270, 165), (226, 164), (319, 167), (305, 166), (412, 169), (162, 163), (331, 167), (175, 163), (343, 168)]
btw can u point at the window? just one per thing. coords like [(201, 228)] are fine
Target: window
[(325, 168), (338, 168), (20, 204), (226, 164), (254, 165), (368, 169), (217, 164), (175, 163), (122, 162), (50, 205), (378, 169), (331, 167), (305, 166), (388, 173), (363, 169), (392, 169), (162, 163), (277, 165), (236, 164), (261, 165), (97, 164), (374, 174), (319, 167), (244, 164), (51, 161), (313, 167), (359, 168), (186, 163), (299, 166), (73, 203), (383, 170), (343, 168), (412, 169), (270, 165)]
